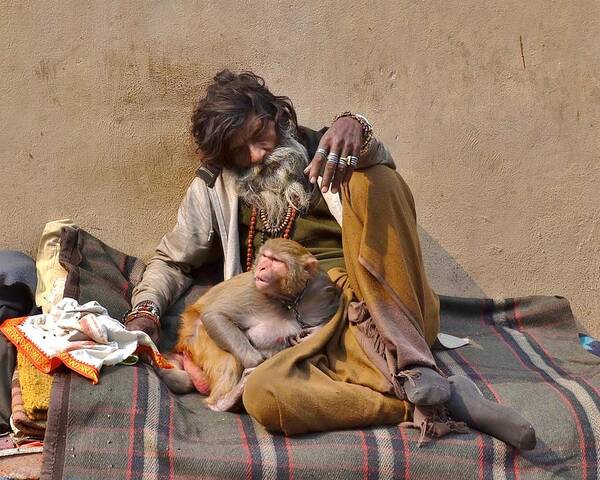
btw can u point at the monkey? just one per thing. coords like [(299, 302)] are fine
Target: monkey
[(240, 322)]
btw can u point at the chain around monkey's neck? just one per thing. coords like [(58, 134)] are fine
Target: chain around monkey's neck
[(293, 303)]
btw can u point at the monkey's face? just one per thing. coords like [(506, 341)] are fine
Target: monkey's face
[(270, 273)]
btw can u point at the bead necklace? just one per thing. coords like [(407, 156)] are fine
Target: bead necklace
[(273, 230)]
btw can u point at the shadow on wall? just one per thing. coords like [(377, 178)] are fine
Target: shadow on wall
[(445, 274)]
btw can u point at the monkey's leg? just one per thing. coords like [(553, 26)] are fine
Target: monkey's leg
[(178, 380), (222, 369), (199, 378), (466, 404)]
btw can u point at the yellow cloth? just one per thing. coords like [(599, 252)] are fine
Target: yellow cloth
[(389, 266), (329, 382), (325, 383), (50, 273), (35, 388)]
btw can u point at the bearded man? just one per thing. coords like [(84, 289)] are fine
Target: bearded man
[(337, 193)]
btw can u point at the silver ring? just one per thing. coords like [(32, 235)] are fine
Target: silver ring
[(352, 161), (322, 151), (342, 163), (333, 158)]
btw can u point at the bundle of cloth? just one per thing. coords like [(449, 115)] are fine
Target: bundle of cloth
[(17, 284), (82, 337), (30, 397)]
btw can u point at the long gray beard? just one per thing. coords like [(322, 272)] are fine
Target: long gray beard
[(277, 182)]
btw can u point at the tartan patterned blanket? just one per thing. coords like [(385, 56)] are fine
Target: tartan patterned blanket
[(523, 352)]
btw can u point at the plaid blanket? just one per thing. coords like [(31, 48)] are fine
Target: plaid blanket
[(523, 352), (98, 272)]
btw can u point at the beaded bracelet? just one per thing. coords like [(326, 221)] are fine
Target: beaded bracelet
[(146, 309), (367, 128)]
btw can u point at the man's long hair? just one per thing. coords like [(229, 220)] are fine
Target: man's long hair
[(228, 102)]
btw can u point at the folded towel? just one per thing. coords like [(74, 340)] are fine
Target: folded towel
[(35, 388)]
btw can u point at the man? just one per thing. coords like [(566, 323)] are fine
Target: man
[(359, 220)]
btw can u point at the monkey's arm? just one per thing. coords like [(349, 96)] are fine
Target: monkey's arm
[(229, 337)]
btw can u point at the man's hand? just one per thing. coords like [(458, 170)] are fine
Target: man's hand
[(145, 317), (343, 138)]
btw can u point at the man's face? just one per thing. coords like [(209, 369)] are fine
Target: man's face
[(270, 169), (253, 142)]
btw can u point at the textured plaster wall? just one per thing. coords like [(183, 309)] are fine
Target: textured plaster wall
[(492, 111)]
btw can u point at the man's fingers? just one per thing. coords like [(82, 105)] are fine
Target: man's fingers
[(342, 168), (331, 166), (313, 170), (352, 161)]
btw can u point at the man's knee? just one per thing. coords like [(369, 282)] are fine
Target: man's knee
[(373, 187), (17, 284)]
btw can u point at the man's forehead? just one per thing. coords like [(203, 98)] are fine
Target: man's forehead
[(242, 135)]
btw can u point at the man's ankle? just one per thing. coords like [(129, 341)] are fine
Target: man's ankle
[(423, 385)]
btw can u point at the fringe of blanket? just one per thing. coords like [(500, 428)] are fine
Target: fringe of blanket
[(434, 422)]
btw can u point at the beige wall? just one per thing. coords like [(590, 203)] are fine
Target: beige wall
[(492, 111)]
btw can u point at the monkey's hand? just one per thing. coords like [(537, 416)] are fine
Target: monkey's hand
[(252, 358), (304, 334)]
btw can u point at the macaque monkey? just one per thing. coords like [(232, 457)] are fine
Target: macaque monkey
[(239, 323)]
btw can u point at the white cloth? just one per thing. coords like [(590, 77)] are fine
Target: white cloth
[(86, 333)]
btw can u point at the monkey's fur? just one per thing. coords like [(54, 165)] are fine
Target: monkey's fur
[(239, 323)]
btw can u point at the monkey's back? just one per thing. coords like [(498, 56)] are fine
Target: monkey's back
[(237, 296)]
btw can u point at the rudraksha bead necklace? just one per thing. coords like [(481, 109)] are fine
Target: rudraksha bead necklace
[(285, 226)]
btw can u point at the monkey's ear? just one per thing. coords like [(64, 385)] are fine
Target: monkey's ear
[(311, 265)]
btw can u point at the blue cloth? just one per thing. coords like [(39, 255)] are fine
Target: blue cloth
[(17, 267), (17, 286), (590, 344)]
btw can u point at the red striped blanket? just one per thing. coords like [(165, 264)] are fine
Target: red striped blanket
[(524, 353)]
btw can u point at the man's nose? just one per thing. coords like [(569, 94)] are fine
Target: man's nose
[(257, 154)]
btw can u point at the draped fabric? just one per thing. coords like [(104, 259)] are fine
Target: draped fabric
[(345, 376)]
